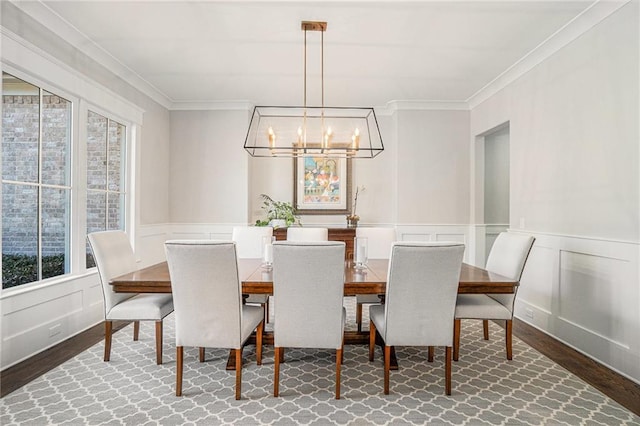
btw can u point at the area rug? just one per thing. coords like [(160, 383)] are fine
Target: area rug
[(487, 389)]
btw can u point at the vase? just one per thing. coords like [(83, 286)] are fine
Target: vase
[(352, 221), (278, 223)]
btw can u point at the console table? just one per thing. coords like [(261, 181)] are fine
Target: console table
[(345, 235)]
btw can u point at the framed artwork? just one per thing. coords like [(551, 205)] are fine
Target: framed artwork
[(322, 185)]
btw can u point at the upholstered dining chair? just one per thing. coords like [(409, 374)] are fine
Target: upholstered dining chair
[(208, 299), (114, 257), (379, 247), (298, 233), (507, 257), (249, 246), (308, 287), (420, 301)]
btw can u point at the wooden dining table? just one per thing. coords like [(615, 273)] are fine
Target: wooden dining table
[(259, 280)]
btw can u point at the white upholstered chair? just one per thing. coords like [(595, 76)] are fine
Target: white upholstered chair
[(422, 285), (114, 257), (508, 257), (379, 241), (308, 288), (248, 241), (208, 299), (307, 234)]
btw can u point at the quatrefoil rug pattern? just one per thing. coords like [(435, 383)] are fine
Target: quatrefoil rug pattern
[(487, 389)]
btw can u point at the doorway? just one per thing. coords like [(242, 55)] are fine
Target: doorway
[(492, 188)]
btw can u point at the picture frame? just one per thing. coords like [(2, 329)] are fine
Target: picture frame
[(322, 185)]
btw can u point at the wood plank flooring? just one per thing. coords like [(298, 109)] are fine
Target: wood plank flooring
[(612, 384)]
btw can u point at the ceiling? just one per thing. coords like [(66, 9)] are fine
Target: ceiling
[(375, 51)]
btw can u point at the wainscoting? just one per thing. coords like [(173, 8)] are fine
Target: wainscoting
[(582, 291), (585, 293), (43, 315)]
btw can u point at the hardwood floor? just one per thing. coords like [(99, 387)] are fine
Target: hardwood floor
[(618, 388)]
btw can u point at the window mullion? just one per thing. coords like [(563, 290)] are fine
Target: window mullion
[(106, 177), (40, 158)]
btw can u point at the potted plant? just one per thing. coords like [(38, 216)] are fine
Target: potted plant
[(279, 213), (353, 218)]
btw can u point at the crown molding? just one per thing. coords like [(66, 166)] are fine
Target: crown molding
[(212, 106), (25, 57), (598, 11), (55, 23), (414, 105), (590, 17)]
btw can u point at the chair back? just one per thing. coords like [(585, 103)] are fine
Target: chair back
[(307, 234), (507, 257), (114, 257), (207, 293), (379, 241), (308, 288), (422, 286), (248, 240)]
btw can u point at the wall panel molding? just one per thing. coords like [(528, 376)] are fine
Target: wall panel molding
[(584, 292)]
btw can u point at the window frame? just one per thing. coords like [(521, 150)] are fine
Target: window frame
[(85, 107), (114, 108)]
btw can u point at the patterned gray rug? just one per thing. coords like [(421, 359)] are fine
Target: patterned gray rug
[(487, 389)]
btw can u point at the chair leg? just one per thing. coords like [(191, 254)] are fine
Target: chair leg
[(238, 372), (508, 338), (276, 375), (359, 316), (159, 342), (179, 364), (372, 340), (201, 354), (431, 353), (456, 338), (259, 332), (387, 367), (136, 330), (338, 366), (447, 371), (108, 326), (266, 311), (485, 329)]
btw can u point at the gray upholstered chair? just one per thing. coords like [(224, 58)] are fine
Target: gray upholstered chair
[(248, 241), (379, 247), (208, 298), (508, 257), (307, 234), (114, 257), (308, 288), (422, 285)]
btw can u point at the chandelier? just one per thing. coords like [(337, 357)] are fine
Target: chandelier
[(294, 131)]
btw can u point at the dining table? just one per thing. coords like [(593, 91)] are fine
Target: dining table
[(258, 279)]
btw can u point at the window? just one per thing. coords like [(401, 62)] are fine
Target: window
[(36, 183), (106, 149), (40, 182)]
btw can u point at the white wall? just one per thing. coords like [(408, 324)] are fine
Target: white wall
[(433, 180), (209, 168), (37, 316), (575, 185)]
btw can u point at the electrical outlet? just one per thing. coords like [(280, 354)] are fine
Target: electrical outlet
[(529, 313), (521, 223), (55, 330)]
